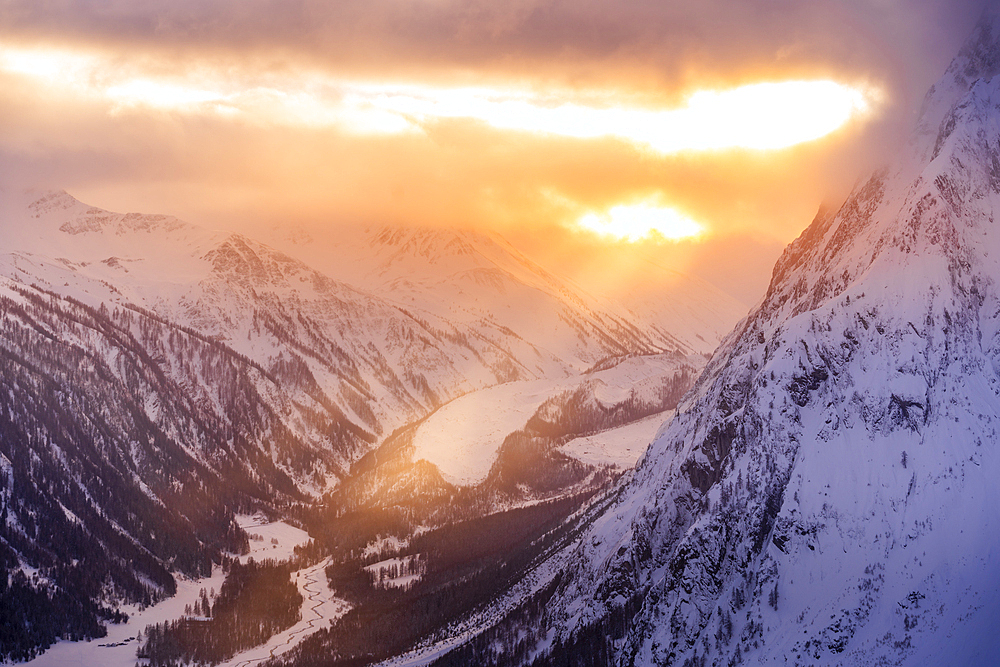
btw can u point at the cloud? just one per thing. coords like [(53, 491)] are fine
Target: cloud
[(225, 165), (671, 39)]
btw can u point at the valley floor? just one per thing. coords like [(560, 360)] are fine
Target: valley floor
[(118, 648), (269, 540), (319, 609)]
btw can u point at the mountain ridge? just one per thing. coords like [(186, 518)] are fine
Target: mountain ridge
[(686, 314)]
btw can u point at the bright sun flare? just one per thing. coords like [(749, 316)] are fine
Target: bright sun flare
[(636, 222), (758, 116)]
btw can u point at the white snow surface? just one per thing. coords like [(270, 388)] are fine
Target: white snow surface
[(98, 651), (287, 537), (462, 439), (617, 447), (401, 581), (320, 606), (401, 322)]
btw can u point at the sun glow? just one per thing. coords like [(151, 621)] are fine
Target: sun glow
[(764, 116), (759, 116), (160, 94), (644, 220), (55, 65)]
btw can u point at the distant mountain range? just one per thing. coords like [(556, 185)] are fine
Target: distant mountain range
[(478, 278), (156, 378)]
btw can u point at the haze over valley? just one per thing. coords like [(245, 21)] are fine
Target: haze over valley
[(459, 334)]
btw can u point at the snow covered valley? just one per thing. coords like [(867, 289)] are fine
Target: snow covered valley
[(268, 540)]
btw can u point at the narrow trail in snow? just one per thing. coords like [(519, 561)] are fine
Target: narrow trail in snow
[(315, 586)]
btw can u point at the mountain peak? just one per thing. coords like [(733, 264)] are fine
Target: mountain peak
[(978, 59), (44, 200)]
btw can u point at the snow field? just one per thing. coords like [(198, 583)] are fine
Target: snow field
[(464, 437), (103, 651), (409, 570), (618, 447), (277, 539), (319, 607)]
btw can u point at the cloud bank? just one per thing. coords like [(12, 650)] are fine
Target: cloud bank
[(240, 166)]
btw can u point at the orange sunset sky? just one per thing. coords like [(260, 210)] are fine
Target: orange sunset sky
[(565, 125)]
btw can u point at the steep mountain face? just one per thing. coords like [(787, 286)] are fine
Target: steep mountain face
[(426, 315), (827, 492), (341, 346), (118, 466)]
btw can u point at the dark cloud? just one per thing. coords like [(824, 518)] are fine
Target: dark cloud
[(658, 48), (672, 36)]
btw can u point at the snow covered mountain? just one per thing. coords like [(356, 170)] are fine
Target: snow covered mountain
[(377, 363), (397, 322), (827, 492), (158, 378), (520, 442)]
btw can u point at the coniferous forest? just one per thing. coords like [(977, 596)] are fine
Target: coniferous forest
[(256, 601)]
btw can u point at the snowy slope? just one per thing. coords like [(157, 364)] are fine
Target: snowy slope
[(618, 447), (827, 492), (369, 358), (156, 378), (125, 445), (462, 438), (502, 447), (433, 313)]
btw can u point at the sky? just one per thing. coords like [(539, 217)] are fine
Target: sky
[(572, 127)]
